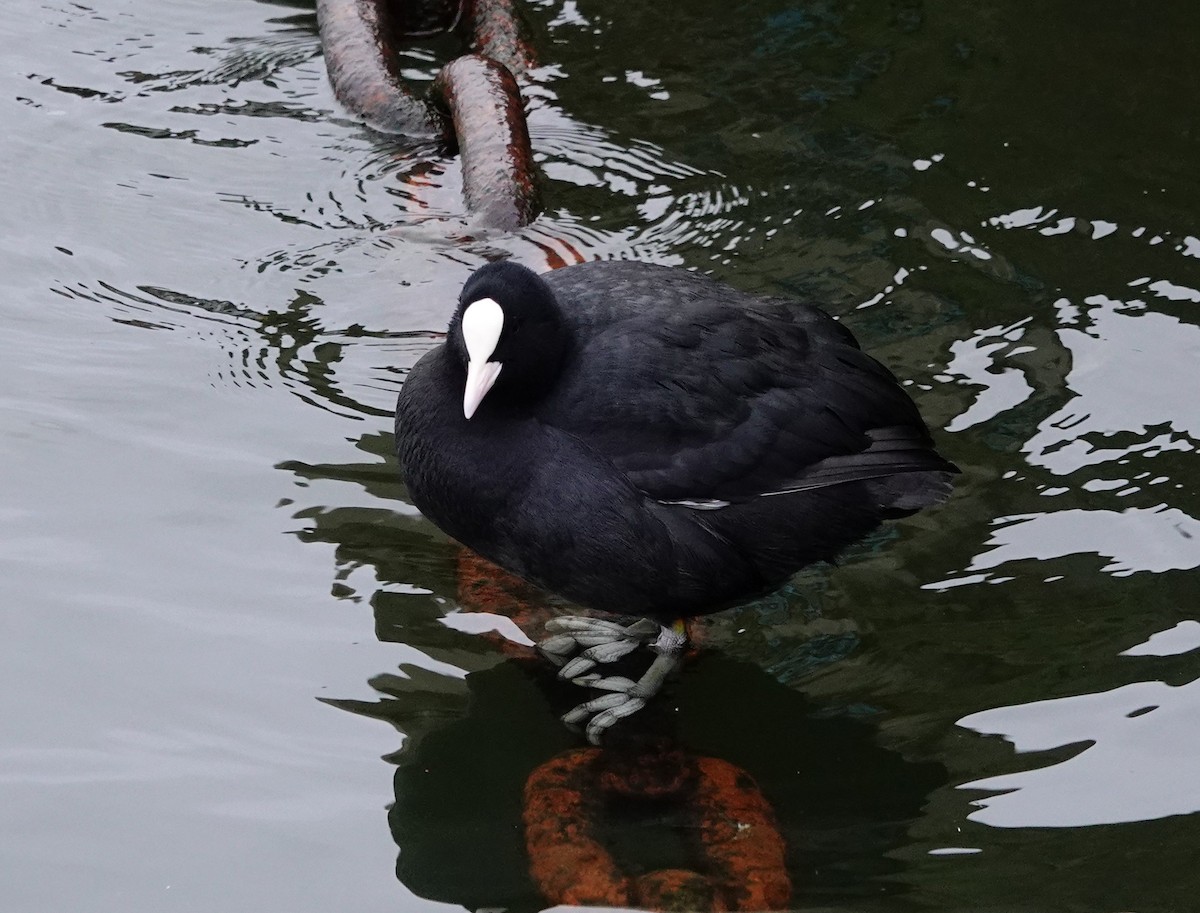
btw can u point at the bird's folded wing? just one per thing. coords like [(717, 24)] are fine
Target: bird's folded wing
[(726, 410)]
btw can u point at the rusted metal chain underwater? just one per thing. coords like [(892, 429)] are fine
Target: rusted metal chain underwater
[(740, 861), (474, 106)]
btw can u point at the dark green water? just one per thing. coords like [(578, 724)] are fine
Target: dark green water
[(214, 281)]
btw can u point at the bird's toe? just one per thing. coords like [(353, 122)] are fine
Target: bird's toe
[(602, 721)]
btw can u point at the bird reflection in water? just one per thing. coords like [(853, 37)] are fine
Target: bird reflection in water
[(496, 808), (643, 821)]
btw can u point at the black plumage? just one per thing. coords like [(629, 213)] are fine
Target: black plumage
[(657, 443)]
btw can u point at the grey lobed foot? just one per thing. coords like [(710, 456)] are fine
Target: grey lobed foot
[(602, 641), (605, 642)]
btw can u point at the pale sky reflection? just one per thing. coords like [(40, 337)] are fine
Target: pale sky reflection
[(1124, 365), (1126, 397), (1157, 539), (1140, 765)]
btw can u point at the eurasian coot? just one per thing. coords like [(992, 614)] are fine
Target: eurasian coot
[(647, 441)]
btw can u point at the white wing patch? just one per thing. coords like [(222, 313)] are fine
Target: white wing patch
[(699, 503)]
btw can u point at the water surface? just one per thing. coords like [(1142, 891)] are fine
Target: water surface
[(215, 280)]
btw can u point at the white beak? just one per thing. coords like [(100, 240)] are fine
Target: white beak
[(482, 323), (480, 377)]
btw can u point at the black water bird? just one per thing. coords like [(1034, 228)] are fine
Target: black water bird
[(648, 442)]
